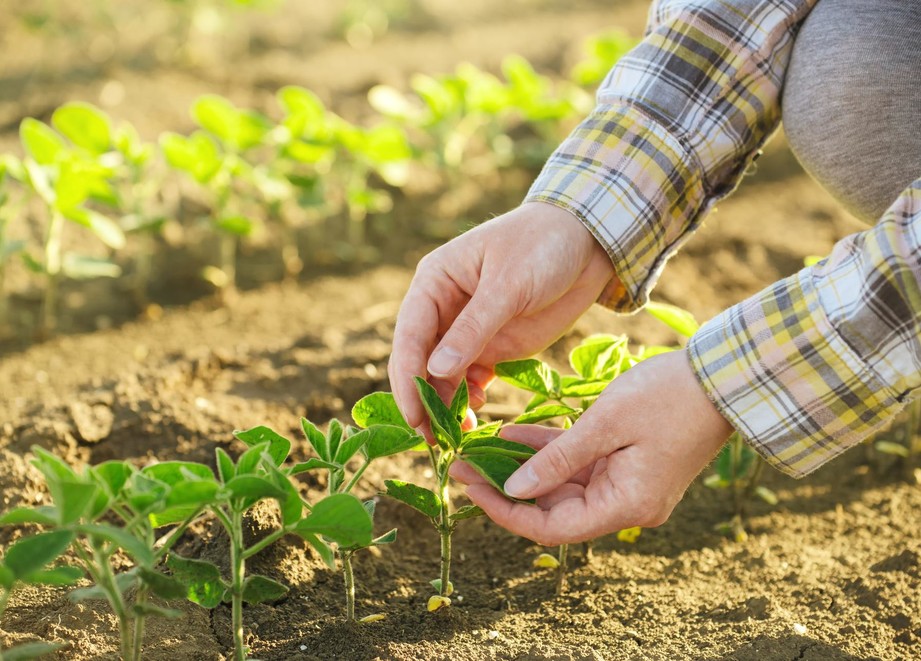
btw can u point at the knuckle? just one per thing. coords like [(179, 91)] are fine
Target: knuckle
[(557, 459)]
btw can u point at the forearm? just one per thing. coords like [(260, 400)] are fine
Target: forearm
[(679, 120), (817, 362)]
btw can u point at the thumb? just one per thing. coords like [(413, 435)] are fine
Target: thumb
[(470, 332), (560, 460)]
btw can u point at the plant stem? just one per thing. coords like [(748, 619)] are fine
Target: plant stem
[(53, 271), (110, 586), (445, 529), (349, 575), (228, 249), (238, 569), (563, 557), (356, 477), (265, 541), (139, 620)]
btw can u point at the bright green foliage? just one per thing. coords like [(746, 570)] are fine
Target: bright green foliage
[(492, 457), (384, 433)]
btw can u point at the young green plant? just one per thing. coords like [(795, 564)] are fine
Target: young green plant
[(259, 474), (335, 451), (492, 457)]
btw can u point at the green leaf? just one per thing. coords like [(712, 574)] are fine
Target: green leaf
[(333, 438), (419, 498), (29, 651), (531, 375), (317, 439), (59, 576), (496, 468), (238, 129), (340, 517), (388, 537), (378, 408), (679, 320), (547, 412), (589, 358), (225, 467), (103, 227), (76, 498), (766, 495), (483, 429), (112, 475), (31, 554), (84, 125), (386, 440), (249, 461), (258, 589), (145, 494), (460, 401), (163, 586), (196, 155), (202, 580), (41, 142), (137, 549), (291, 506), (351, 445), (184, 500), (467, 512), (445, 426), (322, 548), (152, 610), (44, 516), (236, 225), (496, 445), (7, 578), (572, 387), (252, 488), (176, 472), (279, 446), (312, 464), (895, 449)]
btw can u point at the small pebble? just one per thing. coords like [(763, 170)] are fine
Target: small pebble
[(303, 648), (800, 629), (492, 635)]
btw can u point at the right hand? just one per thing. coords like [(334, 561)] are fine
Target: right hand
[(502, 291)]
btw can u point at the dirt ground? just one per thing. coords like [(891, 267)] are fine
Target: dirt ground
[(832, 572)]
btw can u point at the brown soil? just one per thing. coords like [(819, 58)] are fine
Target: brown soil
[(832, 572)]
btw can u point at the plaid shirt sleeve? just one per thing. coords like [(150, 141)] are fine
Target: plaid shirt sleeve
[(678, 122), (812, 364)]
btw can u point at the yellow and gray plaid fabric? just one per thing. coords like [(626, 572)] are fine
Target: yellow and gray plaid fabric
[(812, 364)]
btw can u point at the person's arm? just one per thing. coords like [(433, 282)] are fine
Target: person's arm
[(679, 119), (818, 361)]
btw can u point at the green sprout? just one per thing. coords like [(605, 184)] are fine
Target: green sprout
[(67, 177), (494, 458), (602, 52), (259, 474), (111, 509), (902, 441)]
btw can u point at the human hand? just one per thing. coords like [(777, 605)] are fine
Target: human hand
[(626, 462), (504, 290)]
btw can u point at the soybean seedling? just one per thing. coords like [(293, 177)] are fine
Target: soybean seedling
[(213, 157), (902, 440), (492, 457), (66, 178), (335, 449), (110, 509), (258, 474)]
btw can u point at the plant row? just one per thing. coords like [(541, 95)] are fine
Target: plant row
[(242, 172)]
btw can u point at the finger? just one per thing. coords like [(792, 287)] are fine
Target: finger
[(568, 521), (479, 321), (414, 337), (559, 461), (465, 474), (535, 436), (557, 496), (479, 378)]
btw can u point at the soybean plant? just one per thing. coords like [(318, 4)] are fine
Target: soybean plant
[(112, 508), (66, 177), (492, 457), (335, 449), (258, 474)]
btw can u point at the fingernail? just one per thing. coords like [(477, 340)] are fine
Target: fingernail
[(522, 482), (444, 361)]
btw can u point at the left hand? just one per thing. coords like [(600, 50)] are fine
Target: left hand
[(626, 462)]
